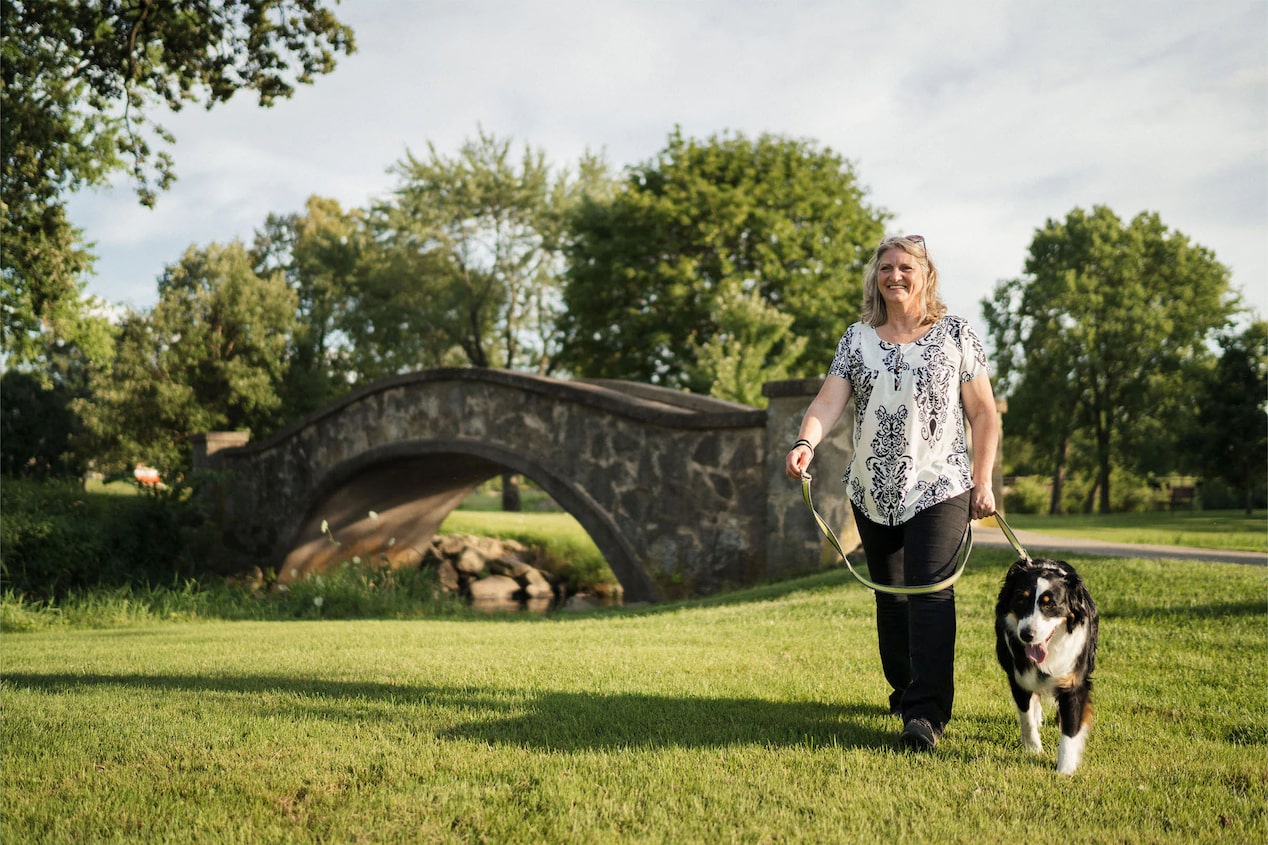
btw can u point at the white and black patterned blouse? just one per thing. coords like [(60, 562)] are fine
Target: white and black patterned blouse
[(910, 450)]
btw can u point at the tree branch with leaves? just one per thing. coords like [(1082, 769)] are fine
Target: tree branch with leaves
[(83, 81)]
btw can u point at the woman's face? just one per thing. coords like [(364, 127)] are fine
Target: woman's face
[(900, 278)]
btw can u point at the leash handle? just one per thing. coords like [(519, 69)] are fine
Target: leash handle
[(1012, 538), (966, 546)]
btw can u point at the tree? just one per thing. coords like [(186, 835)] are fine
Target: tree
[(750, 347), (40, 434), (211, 355), (81, 82), (1016, 328), (37, 428), (650, 265), (478, 238), (397, 314), (1231, 439), (321, 254), (1099, 335)]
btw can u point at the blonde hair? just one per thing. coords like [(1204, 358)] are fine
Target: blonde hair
[(874, 312)]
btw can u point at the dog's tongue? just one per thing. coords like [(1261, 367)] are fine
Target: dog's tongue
[(1037, 652)]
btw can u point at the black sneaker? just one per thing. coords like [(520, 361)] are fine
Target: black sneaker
[(919, 735)]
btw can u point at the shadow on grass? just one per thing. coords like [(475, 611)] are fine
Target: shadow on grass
[(548, 721), (1181, 613)]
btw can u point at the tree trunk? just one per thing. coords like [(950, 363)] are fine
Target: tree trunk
[(1091, 497), (1058, 478), (1103, 463), (511, 493)]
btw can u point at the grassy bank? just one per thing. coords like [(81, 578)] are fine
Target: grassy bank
[(755, 717), (1232, 530)]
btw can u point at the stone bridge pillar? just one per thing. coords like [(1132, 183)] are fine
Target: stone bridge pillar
[(207, 444), (794, 543)]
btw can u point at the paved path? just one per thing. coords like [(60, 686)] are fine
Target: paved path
[(992, 538)]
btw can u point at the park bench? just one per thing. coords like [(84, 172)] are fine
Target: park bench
[(1182, 498)]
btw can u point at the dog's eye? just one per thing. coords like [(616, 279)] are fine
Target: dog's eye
[(1046, 599)]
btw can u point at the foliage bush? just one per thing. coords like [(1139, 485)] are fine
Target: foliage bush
[(55, 537), (1033, 494), (1217, 494), (1128, 493), (1131, 493), (1028, 494), (37, 428), (353, 590)]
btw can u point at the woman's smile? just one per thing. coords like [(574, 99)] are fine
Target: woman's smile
[(900, 275)]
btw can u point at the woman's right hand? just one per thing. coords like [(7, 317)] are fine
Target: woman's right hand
[(797, 461)]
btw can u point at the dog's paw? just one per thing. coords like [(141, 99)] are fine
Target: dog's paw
[(1070, 752), (1066, 768)]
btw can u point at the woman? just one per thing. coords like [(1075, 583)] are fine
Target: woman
[(914, 373)]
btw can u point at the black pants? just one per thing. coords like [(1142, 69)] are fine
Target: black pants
[(917, 633)]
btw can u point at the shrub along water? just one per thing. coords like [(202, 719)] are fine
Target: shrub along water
[(99, 559), (57, 538)]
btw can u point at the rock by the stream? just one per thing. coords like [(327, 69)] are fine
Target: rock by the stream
[(489, 570), (493, 587)]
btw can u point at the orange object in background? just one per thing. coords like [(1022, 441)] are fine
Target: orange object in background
[(148, 476)]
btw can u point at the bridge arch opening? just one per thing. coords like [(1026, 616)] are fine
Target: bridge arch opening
[(392, 500)]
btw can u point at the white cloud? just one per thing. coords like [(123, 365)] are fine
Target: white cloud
[(973, 124)]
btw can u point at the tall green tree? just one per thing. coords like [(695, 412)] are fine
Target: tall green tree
[(82, 81), (1098, 337), (321, 253), (210, 355), (477, 239), (651, 264), (1035, 384), (1231, 438)]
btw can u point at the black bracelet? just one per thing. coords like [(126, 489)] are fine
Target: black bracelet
[(805, 443)]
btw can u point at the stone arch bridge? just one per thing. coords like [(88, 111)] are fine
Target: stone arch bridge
[(683, 495)]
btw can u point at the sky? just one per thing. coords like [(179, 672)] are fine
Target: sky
[(973, 124)]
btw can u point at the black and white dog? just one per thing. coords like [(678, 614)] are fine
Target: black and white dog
[(1045, 639)]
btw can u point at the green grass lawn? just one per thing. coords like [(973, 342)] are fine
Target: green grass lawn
[(753, 717), (1232, 530)]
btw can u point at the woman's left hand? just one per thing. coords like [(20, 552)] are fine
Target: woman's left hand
[(982, 502)]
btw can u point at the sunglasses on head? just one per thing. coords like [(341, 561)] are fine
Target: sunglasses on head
[(916, 239)]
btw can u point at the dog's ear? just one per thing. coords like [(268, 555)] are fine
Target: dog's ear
[(1082, 607)]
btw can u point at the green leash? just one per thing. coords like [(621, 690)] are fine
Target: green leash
[(1011, 538), (966, 547)]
